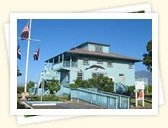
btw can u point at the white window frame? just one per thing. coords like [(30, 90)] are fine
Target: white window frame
[(112, 78), (99, 61), (86, 60), (109, 65), (98, 48), (81, 75)]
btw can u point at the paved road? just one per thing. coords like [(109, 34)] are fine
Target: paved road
[(66, 105)]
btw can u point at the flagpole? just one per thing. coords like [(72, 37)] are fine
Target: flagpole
[(27, 58)]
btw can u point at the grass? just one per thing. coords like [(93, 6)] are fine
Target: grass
[(148, 104), (49, 98), (38, 98)]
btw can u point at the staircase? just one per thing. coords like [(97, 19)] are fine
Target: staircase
[(120, 88), (47, 74)]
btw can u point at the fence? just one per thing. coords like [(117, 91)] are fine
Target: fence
[(103, 99)]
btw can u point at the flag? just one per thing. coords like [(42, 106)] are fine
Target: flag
[(18, 52), (25, 32), (36, 54)]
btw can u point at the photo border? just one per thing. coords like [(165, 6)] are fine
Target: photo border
[(13, 64)]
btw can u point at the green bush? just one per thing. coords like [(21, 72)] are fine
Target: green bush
[(148, 89), (101, 83), (73, 86), (131, 90), (30, 85), (20, 89), (53, 85), (50, 97)]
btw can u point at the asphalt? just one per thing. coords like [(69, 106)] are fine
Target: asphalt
[(65, 105)]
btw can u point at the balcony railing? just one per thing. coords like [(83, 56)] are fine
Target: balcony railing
[(69, 64), (65, 64)]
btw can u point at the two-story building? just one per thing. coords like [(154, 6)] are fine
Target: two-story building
[(90, 59)]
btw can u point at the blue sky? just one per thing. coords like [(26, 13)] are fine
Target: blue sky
[(127, 37)]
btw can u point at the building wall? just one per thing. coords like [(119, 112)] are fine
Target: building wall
[(105, 49), (122, 68), (91, 47), (114, 71)]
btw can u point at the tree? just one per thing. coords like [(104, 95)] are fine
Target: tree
[(30, 85), (147, 60), (53, 85), (18, 72), (20, 89), (101, 83)]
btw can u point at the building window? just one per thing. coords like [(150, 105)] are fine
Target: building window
[(80, 75), (85, 62), (99, 62), (131, 66), (109, 64), (112, 79), (98, 48), (121, 75), (68, 78)]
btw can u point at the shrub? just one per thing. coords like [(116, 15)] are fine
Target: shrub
[(73, 86), (20, 89), (30, 85), (101, 83), (53, 85), (148, 89), (50, 97), (82, 83), (131, 90)]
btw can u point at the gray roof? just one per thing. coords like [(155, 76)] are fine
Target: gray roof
[(111, 55), (79, 50), (88, 42)]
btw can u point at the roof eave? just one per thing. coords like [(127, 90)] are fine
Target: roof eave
[(131, 60)]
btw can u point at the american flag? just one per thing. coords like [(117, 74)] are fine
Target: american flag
[(25, 32), (36, 54)]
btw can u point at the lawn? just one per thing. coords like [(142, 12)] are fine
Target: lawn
[(148, 104)]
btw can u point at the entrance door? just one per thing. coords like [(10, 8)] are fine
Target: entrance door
[(122, 78), (64, 78)]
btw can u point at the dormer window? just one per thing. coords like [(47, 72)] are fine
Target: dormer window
[(98, 48)]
